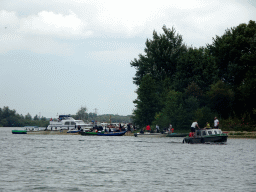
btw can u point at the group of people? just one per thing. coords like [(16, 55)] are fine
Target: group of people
[(170, 129), (195, 125)]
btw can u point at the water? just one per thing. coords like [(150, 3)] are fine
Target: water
[(84, 163)]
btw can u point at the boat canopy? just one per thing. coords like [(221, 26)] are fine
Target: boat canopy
[(203, 132), (64, 116)]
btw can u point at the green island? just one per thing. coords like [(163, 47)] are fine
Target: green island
[(178, 84)]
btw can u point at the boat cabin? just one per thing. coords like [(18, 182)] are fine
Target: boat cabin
[(205, 132), (69, 123), (31, 128)]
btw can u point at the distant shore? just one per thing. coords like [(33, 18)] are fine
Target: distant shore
[(241, 134)]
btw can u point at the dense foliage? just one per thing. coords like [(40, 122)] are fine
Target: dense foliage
[(9, 118), (179, 84)]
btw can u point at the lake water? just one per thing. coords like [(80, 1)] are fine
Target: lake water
[(84, 163)]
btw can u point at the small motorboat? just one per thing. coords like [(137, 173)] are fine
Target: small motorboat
[(103, 133), (177, 135), (148, 134), (207, 136)]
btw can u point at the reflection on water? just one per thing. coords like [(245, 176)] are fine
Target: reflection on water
[(81, 163)]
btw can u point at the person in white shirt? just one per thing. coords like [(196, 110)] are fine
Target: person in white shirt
[(170, 128), (193, 127), (216, 123), (157, 128)]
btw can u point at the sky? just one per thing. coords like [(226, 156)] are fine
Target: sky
[(57, 56)]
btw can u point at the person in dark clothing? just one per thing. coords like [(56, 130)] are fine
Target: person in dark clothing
[(128, 127)]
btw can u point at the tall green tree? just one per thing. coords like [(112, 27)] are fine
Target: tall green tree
[(147, 102), (235, 54), (195, 65), (221, 98), (161, 55), (159, 61), (173, 112)]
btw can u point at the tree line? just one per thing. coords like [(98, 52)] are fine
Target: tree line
[(179, 84), (107, 118), (10, 118)]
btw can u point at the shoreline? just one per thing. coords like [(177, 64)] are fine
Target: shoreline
[(240, 134), (231, 134)]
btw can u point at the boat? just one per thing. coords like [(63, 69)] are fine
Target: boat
[(147, 134), (73, 131), (207, 136), (177, 135), (103, 133), (66, 122), (19, 131), (33, 128)]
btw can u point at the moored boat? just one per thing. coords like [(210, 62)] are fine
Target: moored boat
[(66, 122), (19, 131), (33, 128), (207, 136), (103, 133), (177, 135), (147, 134), (73, 131)]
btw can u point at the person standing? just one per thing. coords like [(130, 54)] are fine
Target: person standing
[(216, 123), (148, 128), (128, 127), (120, 127), (170, 127), (193, 127), (157, 128)]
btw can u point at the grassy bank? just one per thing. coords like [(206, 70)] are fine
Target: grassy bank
[(241, 134)]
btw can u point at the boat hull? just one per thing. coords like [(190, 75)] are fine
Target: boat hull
[(19, 132), (103, 134), (150, 134), (177, 135), (208, 139)]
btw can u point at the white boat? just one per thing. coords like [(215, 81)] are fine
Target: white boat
[(34, 128), (66, 122)]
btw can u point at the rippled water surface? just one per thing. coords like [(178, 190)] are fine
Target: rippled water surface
[(84, 163)]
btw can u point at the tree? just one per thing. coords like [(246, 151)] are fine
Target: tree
[(221, 98), (174, 111), (235, 53), (81, 114), (161, 55), (43, 118), (195, 65), (147, 102), (36, 118), (28, 117)]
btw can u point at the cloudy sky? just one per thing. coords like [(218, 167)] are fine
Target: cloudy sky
[(59, 55)]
